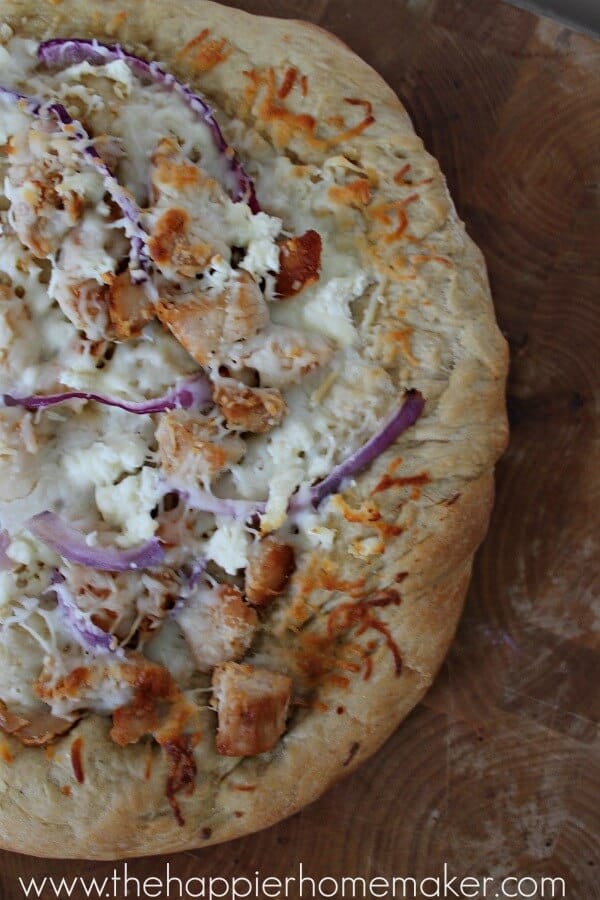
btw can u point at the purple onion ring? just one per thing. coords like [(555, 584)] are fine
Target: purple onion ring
[(89, 636), (61, 52), (194, 393), (71, 545), (138, 262)]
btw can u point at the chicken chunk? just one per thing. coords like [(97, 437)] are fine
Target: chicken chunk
[(119, 601), (40, 729), (270, 567), (84, 303), (115, 309), (174, 250), (283, 356), (129, 307), (83, 282), (46, 191), (195, 450), (208, 322), (299, 263), (249, 409), (156, 705), (217, 625), (252, 706), (190, 214)]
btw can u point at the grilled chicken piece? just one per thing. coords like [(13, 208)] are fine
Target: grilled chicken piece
[(217, 625), (270, 567), (283, 356), (49, 196), (195, 450), (118, 601), (249, 409), (129, 308), (191, 210), (44, 204), (92, 297), (157, 707), (299, 263), (174, 250), (84, 303), (116, 309), (37, 731), (252, 706), (208, 322)]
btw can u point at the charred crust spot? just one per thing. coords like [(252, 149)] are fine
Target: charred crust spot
[(181, 776), (76, 761), (206, 834), (354, 747), (384, 598), (148, 766)]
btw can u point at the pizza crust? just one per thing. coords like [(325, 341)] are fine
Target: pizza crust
[(121, 809)]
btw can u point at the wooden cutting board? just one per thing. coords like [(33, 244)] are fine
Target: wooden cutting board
[(498, 771)]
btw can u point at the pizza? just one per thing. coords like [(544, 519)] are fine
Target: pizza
[(252, 396)]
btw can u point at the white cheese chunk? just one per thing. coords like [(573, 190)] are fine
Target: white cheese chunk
[(229, 545), (128, 506)]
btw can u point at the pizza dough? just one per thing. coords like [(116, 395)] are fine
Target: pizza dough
[(271, 622)]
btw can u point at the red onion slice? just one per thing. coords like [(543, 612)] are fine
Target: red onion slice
[(249, 510), (197, 570), (138, 262), (194, 393), (61, 52), (404, 418), (89, 636), (205, 501), (71, 545)]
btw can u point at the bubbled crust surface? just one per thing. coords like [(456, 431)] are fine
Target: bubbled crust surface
[(430, 532)]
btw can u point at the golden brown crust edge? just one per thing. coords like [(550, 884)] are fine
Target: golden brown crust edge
[(95, 821)]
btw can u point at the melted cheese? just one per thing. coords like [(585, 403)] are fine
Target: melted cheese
[(170, 649), (96, 465), (128, 505), (229, 545)]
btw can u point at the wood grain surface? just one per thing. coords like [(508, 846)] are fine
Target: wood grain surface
[(498, 771)]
